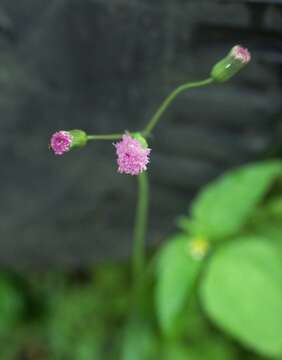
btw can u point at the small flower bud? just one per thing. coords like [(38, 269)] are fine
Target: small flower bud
[(198, 248), (63, 141), (133, 154), (237, 58)]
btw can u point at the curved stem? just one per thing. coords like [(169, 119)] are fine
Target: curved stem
[(140, 227), (104, 137), (153, 122)]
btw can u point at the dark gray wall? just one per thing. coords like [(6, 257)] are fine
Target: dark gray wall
[(104, 66)]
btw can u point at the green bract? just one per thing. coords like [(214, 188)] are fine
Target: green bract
[(79, 138), (138, 136)]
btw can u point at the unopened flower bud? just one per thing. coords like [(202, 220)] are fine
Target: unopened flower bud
[(198, 248), (237, 58), (63, 141)]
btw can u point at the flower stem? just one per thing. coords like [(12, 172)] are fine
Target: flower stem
[(140, 227), (104, 137), (156, 117)]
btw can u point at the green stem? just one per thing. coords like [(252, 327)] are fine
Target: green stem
[(140, 227), (153, 122), (104, 137)]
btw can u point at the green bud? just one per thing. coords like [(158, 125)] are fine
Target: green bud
[(237, 58), (79, 138)]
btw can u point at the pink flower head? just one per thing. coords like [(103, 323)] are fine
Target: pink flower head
[(61, 142), (241, 54), (132, 156)]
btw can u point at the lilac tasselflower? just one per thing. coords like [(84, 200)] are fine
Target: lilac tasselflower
[(61, 142), (132, 155), (241, 54)]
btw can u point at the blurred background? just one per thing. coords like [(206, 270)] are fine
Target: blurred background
[(105, 66)]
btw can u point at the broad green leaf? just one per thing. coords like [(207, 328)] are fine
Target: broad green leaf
[(267, 222), (270, 211), (224, 206), (270, 229), (176, 275), (197, 325), (274, 208), (139, 341), (242, 293)]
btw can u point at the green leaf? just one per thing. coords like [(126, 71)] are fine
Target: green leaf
[(176, 275), (270, 229), (242, 293), (139, 341), (224, 206), (266, 222), (274, 208)]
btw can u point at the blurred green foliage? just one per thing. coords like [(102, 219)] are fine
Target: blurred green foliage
[(213, 291)]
